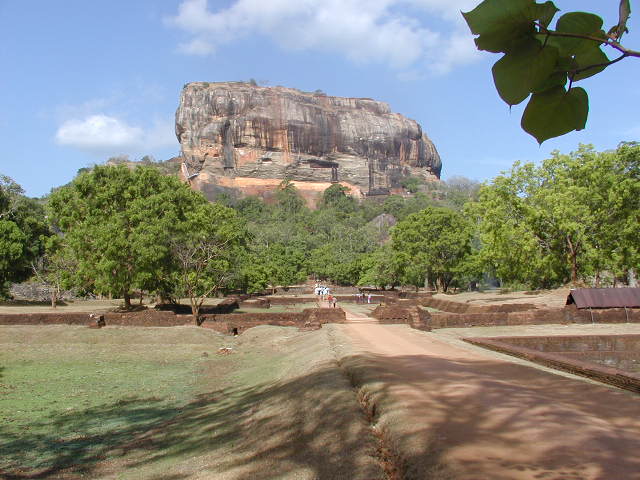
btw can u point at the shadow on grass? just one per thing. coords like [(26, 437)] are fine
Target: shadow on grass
[(309, 424), (311, 427)]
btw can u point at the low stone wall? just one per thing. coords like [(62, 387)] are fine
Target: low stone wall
[(45, 319), (146, 318), (569, 314), (612, 376), (577, 343), (311, 318), (406, 315), (460, 307)]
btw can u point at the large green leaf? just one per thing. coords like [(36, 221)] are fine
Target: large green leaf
[(501, 23), (544, 12), (555, 112), (485, 17), (580, 23), (557, 79), (593, 56), (521, 70)]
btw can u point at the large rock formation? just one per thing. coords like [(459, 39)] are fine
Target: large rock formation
[(241, 137)]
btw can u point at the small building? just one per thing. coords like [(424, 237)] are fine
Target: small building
[(605, 297)]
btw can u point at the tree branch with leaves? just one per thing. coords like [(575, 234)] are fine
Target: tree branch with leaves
[(542, 63)]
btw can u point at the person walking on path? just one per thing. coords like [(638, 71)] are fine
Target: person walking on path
[(334, 300), (369, 298)]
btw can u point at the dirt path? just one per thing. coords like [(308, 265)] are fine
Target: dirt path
[(460, 414)]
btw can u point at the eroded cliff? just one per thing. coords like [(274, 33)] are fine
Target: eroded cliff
[(248, 138)]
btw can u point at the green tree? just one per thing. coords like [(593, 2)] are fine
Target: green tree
[(382, 268), (458, 191), (541, 63), (22, 223), (288, 199), (118, 222), (573, 217), (412, 183), (277, 265), (434, 242), (12, 251), (394, 205), (207, 250), (337, 197), (55, 267)]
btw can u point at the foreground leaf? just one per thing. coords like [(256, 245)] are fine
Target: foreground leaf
[(501, 24), (519, 72), (580, 23), (593, 56), (545, 12), (555, 112)]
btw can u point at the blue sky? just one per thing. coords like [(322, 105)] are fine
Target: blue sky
[(85, 80)]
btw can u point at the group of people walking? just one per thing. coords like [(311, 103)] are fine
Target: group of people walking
[(360, 297), (324, 294)]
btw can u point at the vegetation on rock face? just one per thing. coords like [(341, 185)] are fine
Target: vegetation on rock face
[(543, 63)]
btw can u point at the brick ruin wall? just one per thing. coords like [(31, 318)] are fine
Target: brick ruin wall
[(413, 316), (223, 322), (460, 315), (147, 318), (567, 315), (459, 307), (310, 318), (613, 376)]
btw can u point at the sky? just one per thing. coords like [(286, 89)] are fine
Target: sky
[(82, 81)]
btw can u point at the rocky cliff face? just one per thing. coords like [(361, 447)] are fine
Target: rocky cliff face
[(248, 138)]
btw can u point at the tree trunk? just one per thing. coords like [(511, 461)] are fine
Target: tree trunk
[(574, 269), (54, 299), (598, 279), (574, 261), (127, 300)]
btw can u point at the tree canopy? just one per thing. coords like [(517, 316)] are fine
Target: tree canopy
[(435, 242), (118, 222), (573, 217)]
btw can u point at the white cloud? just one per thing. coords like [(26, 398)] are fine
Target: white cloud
[(365, 31), (103, 134)]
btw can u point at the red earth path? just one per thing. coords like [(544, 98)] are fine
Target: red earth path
[(480, 416)]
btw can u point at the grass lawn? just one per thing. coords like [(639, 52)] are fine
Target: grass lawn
[(152, 403), (68, 392)]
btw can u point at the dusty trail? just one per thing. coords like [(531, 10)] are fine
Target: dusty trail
[(459, 414)]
